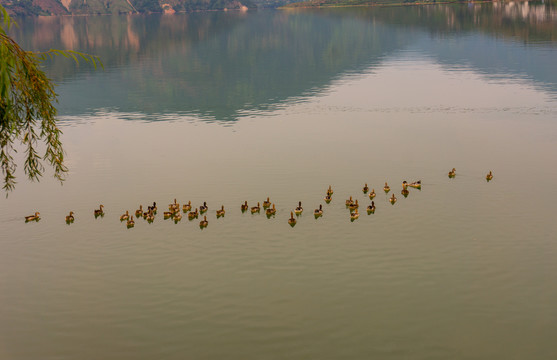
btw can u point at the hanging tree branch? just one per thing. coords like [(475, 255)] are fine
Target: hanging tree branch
[(27, 112)]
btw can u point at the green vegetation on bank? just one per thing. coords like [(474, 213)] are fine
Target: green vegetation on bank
[(95, 7), (26, 7)]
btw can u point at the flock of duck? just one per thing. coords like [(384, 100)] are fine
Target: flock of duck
[(175, 214)]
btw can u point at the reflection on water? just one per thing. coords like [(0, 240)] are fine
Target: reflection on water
[(219, 66)]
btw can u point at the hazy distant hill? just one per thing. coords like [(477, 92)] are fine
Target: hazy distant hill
[(67, 7)]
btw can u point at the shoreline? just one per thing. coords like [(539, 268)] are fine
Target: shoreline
[(372, 4)]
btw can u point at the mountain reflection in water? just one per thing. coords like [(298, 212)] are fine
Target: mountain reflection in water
[(221, 66)]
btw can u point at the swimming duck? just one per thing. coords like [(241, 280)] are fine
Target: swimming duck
[(153, 208), (328, 198), (70, 218), (266, 203), (139, 211), (125, 216), (177, 217), (354, 215), (371, 208), (130, 222), (365, 189), (318, 212), (35, 217), (349, 201), (386, 188), (292, 221), (416, 184), (203, 223), (99, 212), (193, 214), (220, 212), (244, 206), (203, 208), (489, 176), (405, 191), (168, 214), (150, 217), (329, 190), (299, 209), (186, 207), (354, 205), (452, 173), (255, 209), (393, 199), (173, 205), (271, 211), (372, 194)]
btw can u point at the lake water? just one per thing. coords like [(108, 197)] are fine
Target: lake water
[(229, 107)]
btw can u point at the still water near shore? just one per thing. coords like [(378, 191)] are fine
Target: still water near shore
[(227, 107)]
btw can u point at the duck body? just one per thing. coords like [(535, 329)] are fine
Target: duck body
[(266, 203), (393, 199), (299, 209), (372, 194), (186, 207), (139, 212), (193, 214), (318, 212), (153, 208), (349, 201), (99, 212), (130, 223), (330, 190), (489, 176), (173, 205), (150, 217), (35, 217), (416, 184), (203, 208), (386, 188), (203, 223), (365, 189), (220, 212), (244, 206), (371, 208), (354, 215), (328, 198), (292, 221), (168, 214), (452, 173), (354, 205), (404, 191), (255, 209), (125, 216), (271, 211), (177, 217), (70, 218)]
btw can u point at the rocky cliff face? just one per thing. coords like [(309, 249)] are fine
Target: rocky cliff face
[(79, 7)]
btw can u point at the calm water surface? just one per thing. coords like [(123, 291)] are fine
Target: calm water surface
[(228, 107)]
